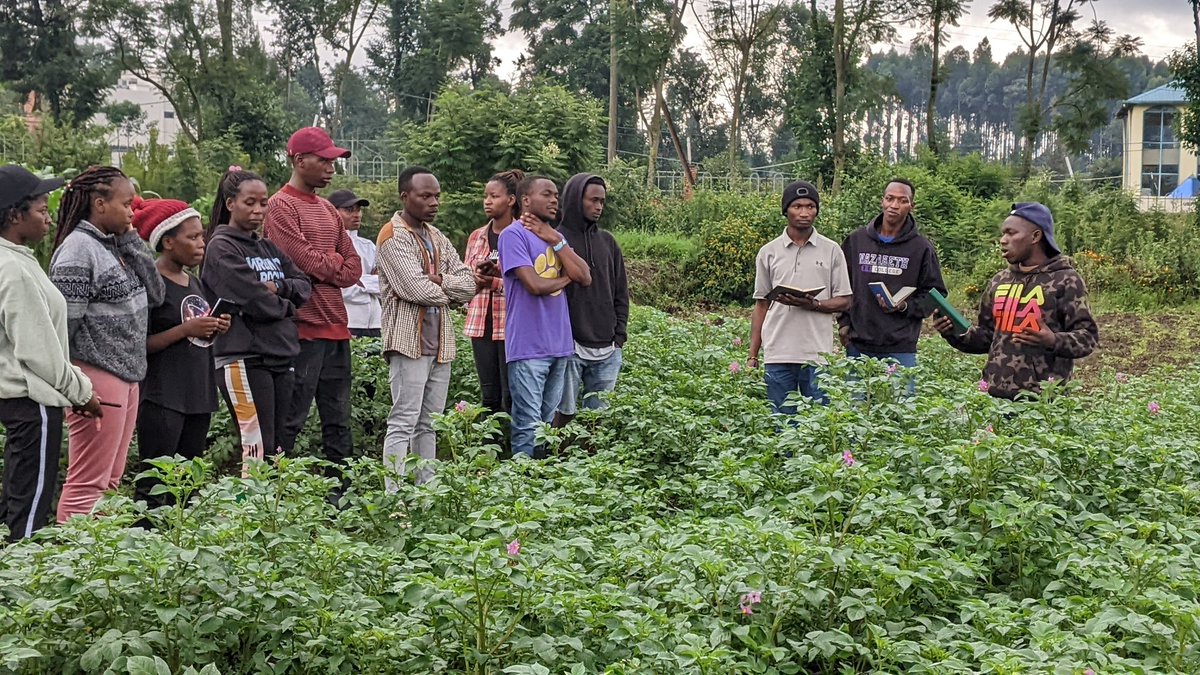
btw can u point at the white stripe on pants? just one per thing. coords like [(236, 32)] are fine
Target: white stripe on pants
[(41, 481)]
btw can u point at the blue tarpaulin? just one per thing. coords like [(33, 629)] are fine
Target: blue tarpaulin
[(1186, 190)]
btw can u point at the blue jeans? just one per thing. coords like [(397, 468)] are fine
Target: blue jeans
[(784, 379), (594, 377), (536, 387), (904, 359)]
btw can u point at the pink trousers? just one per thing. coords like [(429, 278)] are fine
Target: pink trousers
[(96, 449)]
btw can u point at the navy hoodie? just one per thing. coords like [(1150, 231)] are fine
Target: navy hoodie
[(236, 265), (600, 312), (908, 260)]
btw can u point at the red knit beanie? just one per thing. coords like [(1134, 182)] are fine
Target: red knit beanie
[(153, 218)]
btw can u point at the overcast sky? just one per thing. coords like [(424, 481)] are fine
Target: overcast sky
[(1163, 25)]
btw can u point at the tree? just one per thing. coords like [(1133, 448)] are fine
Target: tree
[(856, 24), (206, 60), (570, 43), (475, 133), (1092, 60), (740, 34), (429, 43), (1042, 26), (308, 28), (46, 55), (1185, 68), (937, 15), (809, 82)]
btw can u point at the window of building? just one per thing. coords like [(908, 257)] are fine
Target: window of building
[(168, 114), (1160, 152), (1159, 180), (1158, 128)]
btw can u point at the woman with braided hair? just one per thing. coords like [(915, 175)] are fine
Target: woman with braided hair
[(105, 272)]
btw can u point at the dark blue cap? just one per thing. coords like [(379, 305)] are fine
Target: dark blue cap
[(1040, 216)]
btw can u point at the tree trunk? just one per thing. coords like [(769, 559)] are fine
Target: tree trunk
[(225, 26), (612, 82), (840, 65), (688, 183), (735, 120), (934, 80), (655, 136)]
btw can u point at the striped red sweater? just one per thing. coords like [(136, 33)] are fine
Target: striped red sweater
[(308, 230)]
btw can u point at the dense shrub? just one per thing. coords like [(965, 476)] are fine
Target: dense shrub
[(947, 533)]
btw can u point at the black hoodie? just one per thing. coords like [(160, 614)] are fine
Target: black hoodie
[(600, 312), (909, 260), (236, 266)]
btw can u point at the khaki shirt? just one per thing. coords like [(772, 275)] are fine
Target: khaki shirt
[(792, 334)]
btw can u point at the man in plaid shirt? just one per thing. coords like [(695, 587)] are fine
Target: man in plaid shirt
[(421, 277)]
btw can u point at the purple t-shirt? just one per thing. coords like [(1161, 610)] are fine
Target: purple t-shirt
[(536, 326)]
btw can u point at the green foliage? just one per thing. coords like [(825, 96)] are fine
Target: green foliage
[(969, 535), (50, 144), (184, 171), (659, 267), (474, 134), (1185, 69), (724, 270)]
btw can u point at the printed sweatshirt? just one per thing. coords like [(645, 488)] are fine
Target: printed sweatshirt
[(110, 283), (600, 312), (35, 356), (1052, 295), (307, 229), (237, 264), (908, 260)]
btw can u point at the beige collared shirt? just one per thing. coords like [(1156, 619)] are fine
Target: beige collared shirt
[(792, 334)]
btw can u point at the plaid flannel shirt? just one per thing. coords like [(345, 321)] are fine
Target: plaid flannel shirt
[(478, 250), (407, 291)]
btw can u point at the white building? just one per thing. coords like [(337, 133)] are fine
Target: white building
[(159, 115)]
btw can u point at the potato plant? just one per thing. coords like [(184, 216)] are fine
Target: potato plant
[(682, 530)]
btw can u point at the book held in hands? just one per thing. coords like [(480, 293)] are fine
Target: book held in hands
[(891, 300), (792, 291)]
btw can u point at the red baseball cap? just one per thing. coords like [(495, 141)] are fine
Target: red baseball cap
[(314, 141)]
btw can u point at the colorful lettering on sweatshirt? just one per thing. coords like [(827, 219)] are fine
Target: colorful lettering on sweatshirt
[(879, 263), (1017, 308)]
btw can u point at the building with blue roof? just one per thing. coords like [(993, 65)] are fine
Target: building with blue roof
[(1156, 165)]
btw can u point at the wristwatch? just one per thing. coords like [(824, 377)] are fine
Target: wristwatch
[(562, 243)]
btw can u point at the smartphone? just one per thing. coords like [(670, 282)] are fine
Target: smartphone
[(221, 306)]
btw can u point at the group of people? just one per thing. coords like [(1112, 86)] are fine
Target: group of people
[(147, 314), (1033, 319)]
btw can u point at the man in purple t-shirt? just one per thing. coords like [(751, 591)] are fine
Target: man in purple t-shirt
[(537, 264)]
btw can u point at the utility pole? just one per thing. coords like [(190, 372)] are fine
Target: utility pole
[(612, 81)]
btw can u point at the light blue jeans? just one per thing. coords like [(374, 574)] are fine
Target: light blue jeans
[(536, 387), (593, 377)]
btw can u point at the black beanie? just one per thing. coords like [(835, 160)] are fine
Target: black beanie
[(801, 189)]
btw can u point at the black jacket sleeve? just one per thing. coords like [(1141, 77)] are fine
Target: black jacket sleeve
[(226, 275), (620, 293), (920, 305)]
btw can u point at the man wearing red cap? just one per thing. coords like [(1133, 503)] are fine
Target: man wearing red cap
[(308, 230)]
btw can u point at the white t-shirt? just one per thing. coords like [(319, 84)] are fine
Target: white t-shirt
[(362, 302)]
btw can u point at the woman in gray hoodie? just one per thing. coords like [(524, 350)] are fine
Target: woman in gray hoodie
[(105, 272), (37, 379)]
